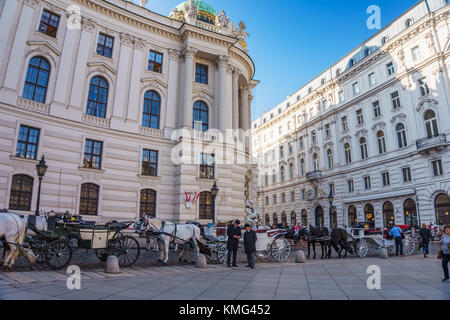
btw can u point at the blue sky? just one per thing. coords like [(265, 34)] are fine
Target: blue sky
[(292, 41)]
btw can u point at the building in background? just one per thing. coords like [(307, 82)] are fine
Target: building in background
[(372, 131), (101, 88)]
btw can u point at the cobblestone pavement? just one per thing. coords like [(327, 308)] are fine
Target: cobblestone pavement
[(336, 279)]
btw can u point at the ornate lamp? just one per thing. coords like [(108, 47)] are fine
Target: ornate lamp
[(214, 192), (41, 169)]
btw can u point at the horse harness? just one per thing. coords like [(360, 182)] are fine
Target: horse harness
[(173, 235)]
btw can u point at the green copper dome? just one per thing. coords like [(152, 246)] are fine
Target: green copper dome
[(206, 13)]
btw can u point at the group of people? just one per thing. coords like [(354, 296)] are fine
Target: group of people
[(234, 234)]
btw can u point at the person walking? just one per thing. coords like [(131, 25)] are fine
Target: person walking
[(445, 247), (234, 234), (396, 232), (425, 234), (250, 245)]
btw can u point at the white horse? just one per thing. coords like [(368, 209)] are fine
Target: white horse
[(179, 234), (12, 233)]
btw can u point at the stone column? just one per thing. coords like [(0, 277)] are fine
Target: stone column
[(172, 93), (7, 22), (134, 103), (17, 52), (224, 95), (123, 75), (236, 73), (79, 77), (189, 54), (245, 91)]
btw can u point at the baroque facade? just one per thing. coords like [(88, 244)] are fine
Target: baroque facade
[(372, 131), (101, 88)]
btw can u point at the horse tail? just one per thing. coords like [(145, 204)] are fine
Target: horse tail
[(22, 233)]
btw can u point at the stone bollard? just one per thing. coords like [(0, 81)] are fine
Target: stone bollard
[(201, 262), (112, 265), (300, 257), (383, 253)]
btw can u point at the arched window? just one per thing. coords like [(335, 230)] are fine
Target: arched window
[(410, 211), (401, 135), (36, 82), (98, 97), (302, 167), (304, 217), (381, 142), (363, 146), (352, 62), (369, 215), (205, 205), (316, 162), (348, 153), (352, 216), (89, 199), (330, 158), (431, 126), (338, 72), (408, 22), (384, 40), (284, 219), (388, 213), (275, 219), (320, 218), (367, 52), (282, 174), (147, 203), (442, 206), (267, 219), (291, 171), (21, 191), (200, 117), (152, 110), (293, 218)]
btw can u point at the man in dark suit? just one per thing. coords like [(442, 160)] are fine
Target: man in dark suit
[(234, 234), (250, 245)]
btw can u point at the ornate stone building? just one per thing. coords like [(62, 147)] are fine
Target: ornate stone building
[(101, 88), (372, 130)]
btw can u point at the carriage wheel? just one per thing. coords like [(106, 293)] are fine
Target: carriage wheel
[(222, 253), (39, 252), (126, 249), (362, 248), (280, 250), (58, 254), (409, 246)]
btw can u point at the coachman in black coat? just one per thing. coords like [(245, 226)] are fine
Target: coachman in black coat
[(234, 234), (250, 242)]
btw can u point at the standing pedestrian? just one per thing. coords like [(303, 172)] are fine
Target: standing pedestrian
[(396, 232), (234, 234), (445, 247), (425, 234), (250, 245)]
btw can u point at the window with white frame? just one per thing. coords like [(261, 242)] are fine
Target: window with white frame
[(390, 68), (367, 183), (300, 143), (327, 130), (350, 186), (436, 166), (381, 142), (356, 88), (341, 96), (292, 196), (313, 137), (424, 89), (376, 109), (406, 173), (395, 98), (372, 79), (348, 153), (330, 158), (363, 147), (401, 135), (359, 117), (386, 179)]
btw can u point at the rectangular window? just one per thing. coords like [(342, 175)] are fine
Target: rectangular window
[(283, 198), (437, 168), (424, 89), (415, 53), (367, 184), (201, 73), (313, 137), (325, 104), (274, 199), (344, 124), (105, 45), (149, 163), (359, 116), (372, 79), (331, 189), (92, 154), (303, 194), (350, 185), (390, 68), (300, 143), (386, 179), (316, 192), (341, 96), (207, 163), (395, 100), (27, 142), (155, 61), (281, 151), (291, 148), (267, 201), (327, 130), (292, 196), (49, 23), (356, 88), (376, 109), (406, 174)]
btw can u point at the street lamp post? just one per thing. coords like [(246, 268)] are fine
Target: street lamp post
[(41, 169), (330, 201), (214, 192), (418, 210)]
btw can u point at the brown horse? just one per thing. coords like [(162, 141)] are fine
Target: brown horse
[(339, 241)]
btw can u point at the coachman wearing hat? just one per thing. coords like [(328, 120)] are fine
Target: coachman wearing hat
[(250, 245), (234, 234)]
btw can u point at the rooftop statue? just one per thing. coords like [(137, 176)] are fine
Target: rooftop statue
[(143, 2), (222, 20), (191, 11)]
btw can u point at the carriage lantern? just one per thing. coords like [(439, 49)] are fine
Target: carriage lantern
[(41, 169), (214, 192), (330, 200)]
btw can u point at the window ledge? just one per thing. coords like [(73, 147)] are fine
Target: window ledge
[(91, 170), (155, 73), (23, 159), (206, 180), (149, 177)]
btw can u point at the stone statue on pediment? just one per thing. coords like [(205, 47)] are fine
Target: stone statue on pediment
[(143, 2), (222, 20)]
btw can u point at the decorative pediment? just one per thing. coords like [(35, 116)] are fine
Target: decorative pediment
[(283, 163), (44, 49), (329, 144), (301, 155), (314, 149), (346, 138), (291, 159), (398, 117), (154, 83), (428, 103), (100, 67), (378, 126), (361, 133)]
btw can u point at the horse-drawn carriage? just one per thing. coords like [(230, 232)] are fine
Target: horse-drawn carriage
[(364, 242)]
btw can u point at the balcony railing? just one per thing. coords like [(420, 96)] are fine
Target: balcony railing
[(313, 175), (427, 143)]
